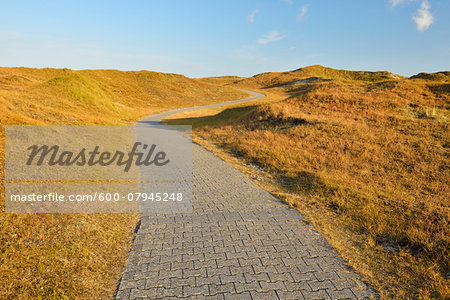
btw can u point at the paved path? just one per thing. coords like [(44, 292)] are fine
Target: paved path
[(240, 242)]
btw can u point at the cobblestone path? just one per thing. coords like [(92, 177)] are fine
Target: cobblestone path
[(240, 242)]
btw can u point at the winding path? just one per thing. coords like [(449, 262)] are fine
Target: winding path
[(240, 242)]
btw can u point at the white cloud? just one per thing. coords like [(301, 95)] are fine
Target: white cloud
[(423, 17), (394, 3), (270, 37), (302, 12), (251, 17)]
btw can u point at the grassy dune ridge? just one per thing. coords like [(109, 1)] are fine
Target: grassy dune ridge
[(277, 79), (79, 256), (365, 155)]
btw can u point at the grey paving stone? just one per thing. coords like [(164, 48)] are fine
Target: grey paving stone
[(342, 294), (208, 280), (271, 295), (293, 295), (232, 278), (177, 282), (123, 294), (195, 290), (241, 296), (321, 285), (252, 286), (275, 286), (221, 288), (321, 294)]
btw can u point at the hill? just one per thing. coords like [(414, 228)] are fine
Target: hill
[(97, 96), (221, 80), (314, 73), (364, 155), (438, 76), (74, 255)]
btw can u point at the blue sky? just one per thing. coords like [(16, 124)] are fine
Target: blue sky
[(207, 38)]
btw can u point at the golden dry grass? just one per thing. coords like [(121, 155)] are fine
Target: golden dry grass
[(365, 160), (221, 80), (73, 255)]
